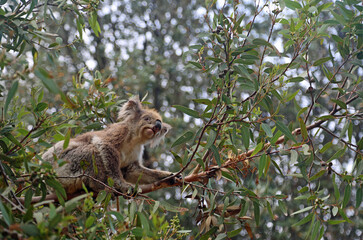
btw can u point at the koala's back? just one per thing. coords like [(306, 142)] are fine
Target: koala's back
[(82, 157), (113, 153)]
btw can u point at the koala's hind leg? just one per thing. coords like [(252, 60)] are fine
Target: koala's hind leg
[(132, 173)]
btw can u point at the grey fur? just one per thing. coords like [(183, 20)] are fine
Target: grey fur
[(115, 152)]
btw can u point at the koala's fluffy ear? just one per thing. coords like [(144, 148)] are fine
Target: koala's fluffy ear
[(130, 108)]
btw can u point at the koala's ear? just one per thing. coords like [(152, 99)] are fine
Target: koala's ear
[(132, 107)]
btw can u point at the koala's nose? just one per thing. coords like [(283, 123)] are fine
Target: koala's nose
[(157, 125)]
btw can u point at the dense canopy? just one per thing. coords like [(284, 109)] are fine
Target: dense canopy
[(265, 100)]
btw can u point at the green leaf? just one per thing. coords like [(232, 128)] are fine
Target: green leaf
[(89, 222), (187, 111), (46, 79), (346, 198), (340, 103), (304, 189), (306, 219), (216, 154), (277, 166), (326, 147), (7, 218), (321, 61), (80, 27), (93, 126), (177, 157), (277, 135), (294, 157), (132, 211), (242, 70), (262, 165), (13, 139), (267, 129), (248, 57), (259, 41), (138, 232), (203, 101), (312, 224), (57, 186), (211, 137), (245, 132), (198, 46), (296, 79), (302, 210), (335, 222), (39, 133), (283, 207), (358, 198), (325, 117), (28, 198), (40, 107), (282, 127), (257, 149), (337, 39), (256, 211), (318, 175), (11, 93), (304, 131), (302, 111), (234, 233), (337, 155), (156, 206), (183, 139), (67, 138), (344, 216), (144, 222), (292, 96), (238, 22), (292, 4), (338, 17), (335, 211), (269, 209), (59, 40), (196, 64), (350, 131), (168, 207), (328, 74), (70, 205), (267, 165), (92, 20), (217, 60), (30, 229), (315, 230), (336, 189)]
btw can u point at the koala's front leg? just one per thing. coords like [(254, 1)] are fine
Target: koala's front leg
[(132, 173), (110, 160)]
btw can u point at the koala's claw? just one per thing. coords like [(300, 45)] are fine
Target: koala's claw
[(179, 178), (125, 189), (176, 179)]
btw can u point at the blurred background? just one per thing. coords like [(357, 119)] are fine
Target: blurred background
[(143, 48)]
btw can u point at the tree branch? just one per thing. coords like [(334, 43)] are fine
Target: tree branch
[(194, 177)]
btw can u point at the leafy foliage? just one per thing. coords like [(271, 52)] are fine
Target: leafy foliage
[(269, 146)]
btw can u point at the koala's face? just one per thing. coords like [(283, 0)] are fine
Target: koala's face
[(152, 128), (147, 123)]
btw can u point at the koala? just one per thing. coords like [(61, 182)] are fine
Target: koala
[(114, 152)]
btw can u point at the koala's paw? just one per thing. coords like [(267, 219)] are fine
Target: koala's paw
[(125, 189), (176, 179)]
